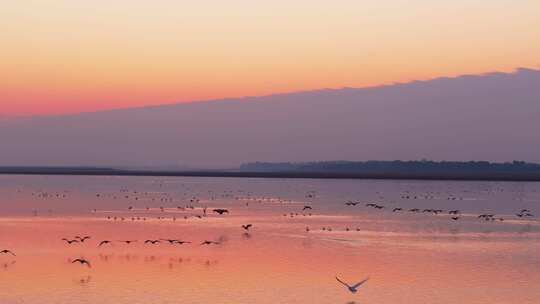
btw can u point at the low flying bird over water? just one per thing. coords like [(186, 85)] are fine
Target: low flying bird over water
[(104, 243), (70, 241), (351, 203), (306, 208), (171, 241), (6, 251), (82, 239), (397, 209), (82, 262), (128, 241), (524, 213), (153, 242), (246, 227), (352, 288), (220, 211), (182, 242), (455, 218), (210, 243)]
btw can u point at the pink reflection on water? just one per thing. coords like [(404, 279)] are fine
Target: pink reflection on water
[(411, 258)]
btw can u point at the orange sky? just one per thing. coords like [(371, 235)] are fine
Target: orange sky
[(72, 56)]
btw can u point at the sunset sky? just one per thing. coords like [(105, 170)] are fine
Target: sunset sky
[(66, 56)]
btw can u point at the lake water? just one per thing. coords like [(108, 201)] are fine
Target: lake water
[(409, 257)]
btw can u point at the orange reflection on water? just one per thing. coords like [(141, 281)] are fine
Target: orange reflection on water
[(267, 267)]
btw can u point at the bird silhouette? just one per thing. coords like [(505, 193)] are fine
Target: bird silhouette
[(6, 251), (82, 239), (171, 241), (153, 242), (182, 242), (70, 241), (128, 241), (246, 227), (82, 262), (352, 288), (104, 243), (307, 208), (220, 211), (209, 243)]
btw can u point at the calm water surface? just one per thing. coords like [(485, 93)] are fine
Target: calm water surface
[(409, 257)]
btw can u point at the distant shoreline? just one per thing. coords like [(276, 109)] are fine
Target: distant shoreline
[(518, 177)]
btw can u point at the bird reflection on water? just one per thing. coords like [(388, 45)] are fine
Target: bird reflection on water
[(294, 253)]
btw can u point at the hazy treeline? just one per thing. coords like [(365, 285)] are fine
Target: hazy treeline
[(397, 166), (424, 169)]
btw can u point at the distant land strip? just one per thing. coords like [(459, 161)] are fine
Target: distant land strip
[(465, 176)]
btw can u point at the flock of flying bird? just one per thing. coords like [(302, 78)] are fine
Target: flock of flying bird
[(78, 239), (86, 262), (454, 215), (82, 239)]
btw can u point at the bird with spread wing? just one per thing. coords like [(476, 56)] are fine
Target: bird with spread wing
[(352, 288)]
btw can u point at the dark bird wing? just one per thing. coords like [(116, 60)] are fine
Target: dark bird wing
[(347, 285), (360, 283), (7, 251), (82, 261)]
